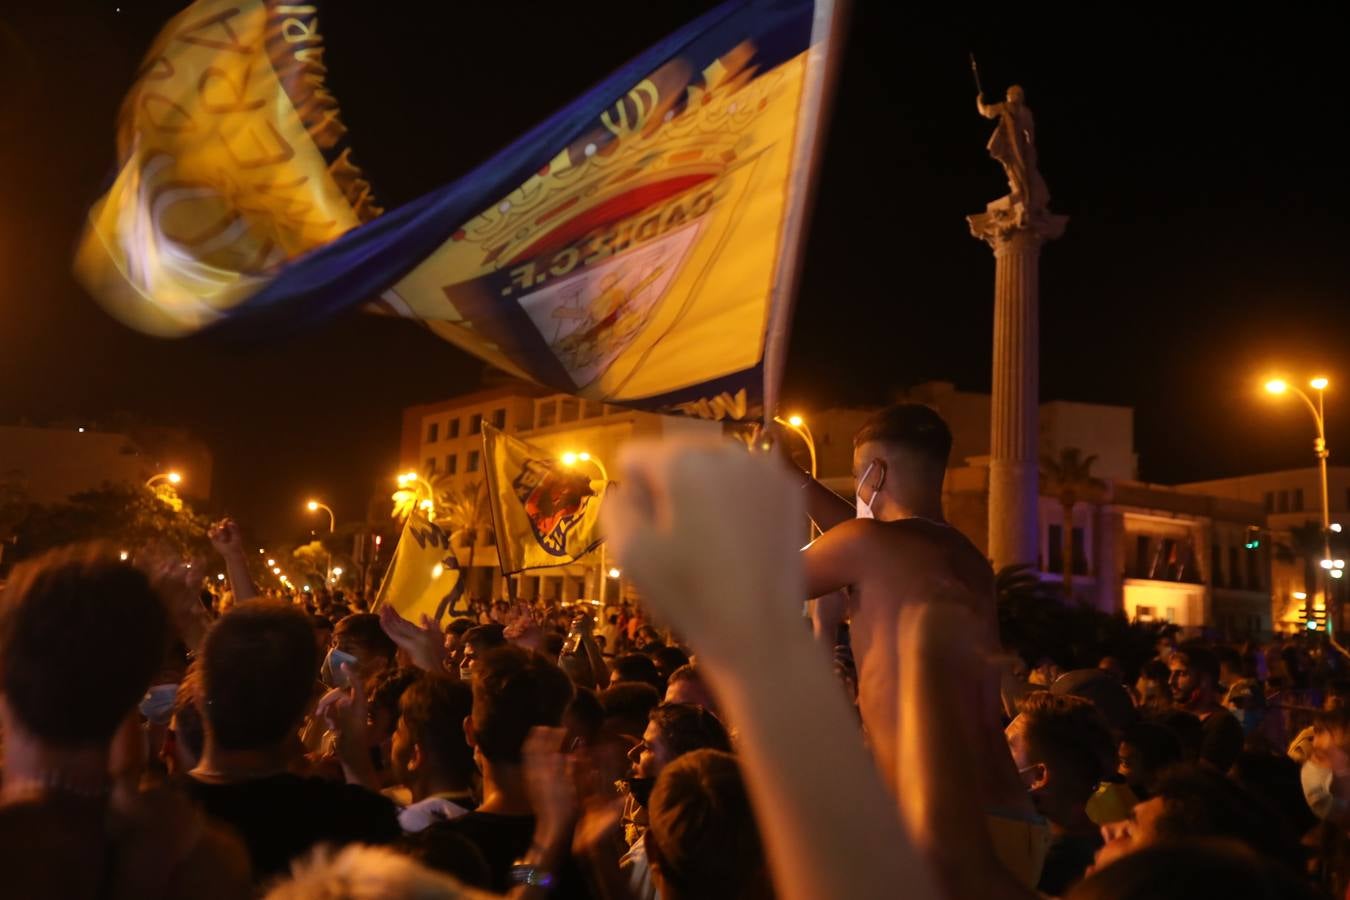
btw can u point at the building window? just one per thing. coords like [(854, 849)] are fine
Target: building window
[(1141, 556), (473, 461), (1216, 566), (592, 409), (1143, 614), (433, 432), (475, 424), (499, 418), (1253, 570), (570, 410), (1284, 502), (1054, 557), (1234, 569), (548, 413), (431, 466), (1080, 566), (452, 430), (451, 464), (1298, 499), (1270, 501)]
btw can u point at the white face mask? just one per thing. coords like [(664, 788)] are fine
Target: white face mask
[(865, 509), (1317, 782)]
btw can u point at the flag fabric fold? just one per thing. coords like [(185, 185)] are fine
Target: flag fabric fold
[(423, 578)]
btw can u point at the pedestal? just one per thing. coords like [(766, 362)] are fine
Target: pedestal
[(1016, 237)]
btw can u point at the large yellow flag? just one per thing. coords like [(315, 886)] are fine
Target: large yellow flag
[(546, 513), (423, 576)]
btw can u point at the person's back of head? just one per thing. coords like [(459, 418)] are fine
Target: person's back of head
[(483, 638), (667, 660), (636, 667), (686, 685), (627, 706), (1103, 691), (514, 691), (362, 635), (1188, 869), (1199, 659), (910, 433), (81, 636), (258, 665), (1199, 802), (703, 841), (458, 626), (432, 711), (685, 728), (1146, 749), (584, 717), (1275, 780)]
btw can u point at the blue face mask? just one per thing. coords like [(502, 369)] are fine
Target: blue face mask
[(333, 675), (157, 704), (1249, 719)]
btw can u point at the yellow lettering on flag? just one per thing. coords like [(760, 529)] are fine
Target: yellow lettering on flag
[(546, 513), (232, 162), (424, 576)]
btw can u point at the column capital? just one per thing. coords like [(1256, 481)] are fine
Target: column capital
[(1003, 225)]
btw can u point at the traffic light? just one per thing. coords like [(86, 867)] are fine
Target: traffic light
[(1253, 538)]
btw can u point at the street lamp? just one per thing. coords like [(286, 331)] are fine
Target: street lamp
[(797, 425), (571, 459), (1278, 387), (315, 506), (428, 505), (171, 477)]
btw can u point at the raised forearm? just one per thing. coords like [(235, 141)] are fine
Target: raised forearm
[(241, 582)]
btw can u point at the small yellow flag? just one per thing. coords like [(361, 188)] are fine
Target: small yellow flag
[(546, 513), (423, 577)]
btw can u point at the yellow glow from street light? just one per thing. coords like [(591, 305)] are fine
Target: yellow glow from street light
[(337, 571), (1327, 564), (271, 562), (1276, 386), (584, 456), (313, 505), (437, 570), (1300, 595), (614, 573), (124, 556), (425, 504), (1319, 384), (220, 577), (569, 458), (1336, 527), (1337, 573), (175, 478), (276, 570), (796, 421)]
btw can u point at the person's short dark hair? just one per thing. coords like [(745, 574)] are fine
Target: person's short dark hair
[(1155, 670), (1155, 747), (514, 691), (637, 667), (651, 634), (1275, 780), (686, 728), (1225, 655), (553, 644), (448, 851), (434, 708), (1190, 868), (914, 427), (1200, 659), (1103, 691), (585, 717), (485, 637), (257, 663), (459, 626), (365, 630), (321, 623), (1069, 734), (1199, 802), (1188, 728), (667, 660), (687, 672), (702, 838), (81, 635), (627, 706), (385, 689)]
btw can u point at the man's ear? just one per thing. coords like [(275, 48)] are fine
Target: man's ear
[(1042, 777), (416, 759), (469, 734)]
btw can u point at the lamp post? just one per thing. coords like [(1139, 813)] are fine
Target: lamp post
[(1278, 387), (315, 506), (571, 459), (797, 425), (171, 477)]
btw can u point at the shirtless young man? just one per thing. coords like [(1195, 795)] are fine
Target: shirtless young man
[(894, 550)]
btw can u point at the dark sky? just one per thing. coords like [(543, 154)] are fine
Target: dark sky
[(1202, 163)]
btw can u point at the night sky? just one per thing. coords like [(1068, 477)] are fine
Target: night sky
[(1202, 163)]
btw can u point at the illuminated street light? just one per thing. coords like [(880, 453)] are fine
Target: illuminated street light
[(1300, 595), (220, 577), (171, 477), (271, 562), (1336, 573), (1326, 564), (337, 570), (124, 556), (614, 573), (276, 570), (1318, 384), (315, 506), (1336, 527), (1277, 386)]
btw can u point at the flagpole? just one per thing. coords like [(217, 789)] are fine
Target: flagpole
[(827, 33)]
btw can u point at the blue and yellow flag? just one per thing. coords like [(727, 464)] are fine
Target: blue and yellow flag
[(424, 576), (641, 246), (544, 513)]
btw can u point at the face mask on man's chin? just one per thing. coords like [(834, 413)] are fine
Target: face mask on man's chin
[(640, 789), (1318, 782)]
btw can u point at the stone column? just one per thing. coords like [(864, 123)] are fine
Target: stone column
[(1014, 467)]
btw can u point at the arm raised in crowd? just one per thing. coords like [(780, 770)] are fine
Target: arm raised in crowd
[(229, 543), (709, 535)]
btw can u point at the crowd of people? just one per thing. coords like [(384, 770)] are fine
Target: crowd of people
[(164, 742)]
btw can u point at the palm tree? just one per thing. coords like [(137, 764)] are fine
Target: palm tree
[(1070, 479), (466, 514)]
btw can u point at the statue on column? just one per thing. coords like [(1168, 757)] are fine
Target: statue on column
[(1013, 144)]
